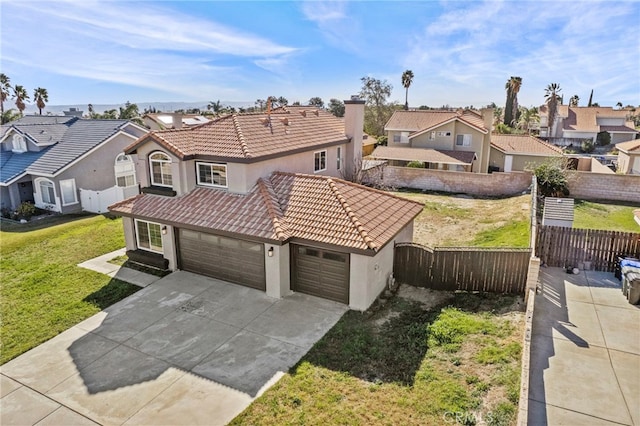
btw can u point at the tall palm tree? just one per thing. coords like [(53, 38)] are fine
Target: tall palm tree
[(528, 116), (407, 79), (5, 90), (551, 96), (21, 95), (511, 106), (40, 96), (573, 101)]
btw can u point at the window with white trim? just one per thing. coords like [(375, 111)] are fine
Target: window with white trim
[(125, 171), (47, 191), (402, 137), (69, 193), (463, 140), (211, 174), (320, 161), (149, 236), (19, 144), (339, 159), (432, 136), (160, 164)]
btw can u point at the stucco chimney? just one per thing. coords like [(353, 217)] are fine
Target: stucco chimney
[(176, 118), (353, 128), (487, 117)]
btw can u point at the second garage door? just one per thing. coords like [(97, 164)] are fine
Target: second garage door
[(228, 259), (320, 273)]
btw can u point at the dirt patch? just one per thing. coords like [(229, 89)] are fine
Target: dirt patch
[(449, 220)]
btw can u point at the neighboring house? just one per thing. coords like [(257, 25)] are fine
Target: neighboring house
[(172, 120), (50, 160), (444, 140), (574, 124), (255, 199), (518, 152), (368, 144), (629, 157)]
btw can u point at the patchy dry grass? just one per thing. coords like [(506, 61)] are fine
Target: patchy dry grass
[(416, 361)]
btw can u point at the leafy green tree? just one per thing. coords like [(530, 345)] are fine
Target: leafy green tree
[(573, 101), (407, 79), (551, 96), (10, 115), (40, 96), (603, 138), (5, 92), (587, 146), (261, 103), (511, 106), (552, 178), (336, 107), (21, 95), (375, 93), (316, 101)]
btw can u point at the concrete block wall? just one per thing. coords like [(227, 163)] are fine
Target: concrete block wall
[(597, 186), (481, 184)]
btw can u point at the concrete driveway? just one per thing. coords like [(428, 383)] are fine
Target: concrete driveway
[(185, 350)]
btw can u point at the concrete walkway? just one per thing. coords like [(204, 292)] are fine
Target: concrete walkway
[(585, 352), (184, 350), (101, 264)]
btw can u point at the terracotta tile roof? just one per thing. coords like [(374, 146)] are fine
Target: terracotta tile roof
[(424, 155), (425, 120), (524, 144), (629, 146), (286, 206), (625, 129), (249, 136), (585, 119)]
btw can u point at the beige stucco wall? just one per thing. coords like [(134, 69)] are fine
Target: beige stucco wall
[(519, 163), (621, 137), (624, 162), (601, 186), (277, 270), (129, 233), (369, 276), (143, 171), (439, 142)]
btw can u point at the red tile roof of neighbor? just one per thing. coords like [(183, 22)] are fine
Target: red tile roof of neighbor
[(524, 144), (629, 146), (286, 206), (424, 155), (251, 136), (424, 120)]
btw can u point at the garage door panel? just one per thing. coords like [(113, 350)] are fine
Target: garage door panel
[(321, 273), (225, 258)]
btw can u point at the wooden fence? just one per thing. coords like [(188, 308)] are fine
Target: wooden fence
[(462, 268), (558, 246)]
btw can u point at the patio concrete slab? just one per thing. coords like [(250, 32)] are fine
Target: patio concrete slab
[(25, 406), (585, 363), (7, 385), (66, 417)]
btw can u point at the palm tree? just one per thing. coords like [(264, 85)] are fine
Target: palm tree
[(21, 95), (619, 105), (40, 96), (214, 106), (528, 116), (9, 115), (573, 101), (5, 90), (511, 106), (497, 115), (407, 79), (551, 97)]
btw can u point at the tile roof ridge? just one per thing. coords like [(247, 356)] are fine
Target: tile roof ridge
[(352, 216), (243, 142), (273, 207), (127, 200)]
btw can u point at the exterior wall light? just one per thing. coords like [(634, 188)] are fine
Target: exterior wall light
[(270, 252), (164, 230)]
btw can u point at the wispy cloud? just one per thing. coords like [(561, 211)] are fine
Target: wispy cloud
[(334, 23)]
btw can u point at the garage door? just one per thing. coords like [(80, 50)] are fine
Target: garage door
[(228, 259), (320, 273)]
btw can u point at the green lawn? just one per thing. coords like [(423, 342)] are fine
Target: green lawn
[(514, 234), (608, 216), (405, 365), (43, 292)]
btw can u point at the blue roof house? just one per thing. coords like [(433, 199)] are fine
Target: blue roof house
[(67, 164)]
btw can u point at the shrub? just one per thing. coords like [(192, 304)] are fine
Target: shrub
[(416, 164), (551, 179), (603, 138), (588, 146)]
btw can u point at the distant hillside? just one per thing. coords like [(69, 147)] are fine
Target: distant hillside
[(159, 106)]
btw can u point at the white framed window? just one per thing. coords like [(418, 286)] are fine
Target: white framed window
[(432, 136), (149, 236), (211, 174), (404, 137), (320, 161), (69, 193), (19, 144), (160, 164), (339, 158), (463, 140), (47, 191), (125, 171)]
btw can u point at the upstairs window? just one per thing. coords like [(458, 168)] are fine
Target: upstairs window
[(463, 140), (402, 137), (125, 171), (320, 161), (19, 144), (211, 174), (160, 164)]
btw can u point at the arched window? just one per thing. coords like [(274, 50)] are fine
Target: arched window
[(19, 144), (160, 164), (125, 171), (47, 191)]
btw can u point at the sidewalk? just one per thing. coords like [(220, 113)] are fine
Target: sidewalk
[(585, 352), (101, 264)]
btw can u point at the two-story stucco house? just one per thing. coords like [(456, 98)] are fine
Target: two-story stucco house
[(63, 163), (574, 124), (511, 153), (443, 140), (256, 199)]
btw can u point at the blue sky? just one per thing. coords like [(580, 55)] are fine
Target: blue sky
[(461, 53)]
